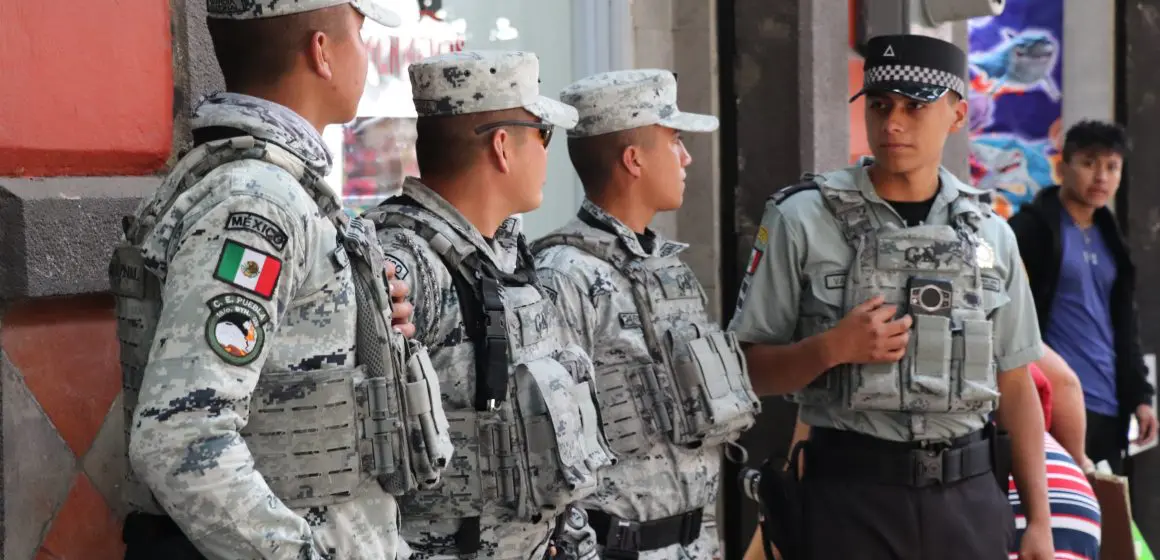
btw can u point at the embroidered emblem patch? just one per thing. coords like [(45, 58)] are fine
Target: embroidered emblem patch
[(236, 328), (248, 268), (762, 237), (264, 228), (401, 271), (985, 255)]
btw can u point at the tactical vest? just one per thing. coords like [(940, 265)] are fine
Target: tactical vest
[(394, 426), (531, 442), (933, 273), (696, 388)]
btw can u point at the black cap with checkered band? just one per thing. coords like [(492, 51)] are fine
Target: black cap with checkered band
[(919, 67)]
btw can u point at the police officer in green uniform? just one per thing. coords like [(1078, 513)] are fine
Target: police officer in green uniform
[(890, 303)]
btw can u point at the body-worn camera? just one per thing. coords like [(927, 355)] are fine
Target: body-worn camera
[(926, 296)]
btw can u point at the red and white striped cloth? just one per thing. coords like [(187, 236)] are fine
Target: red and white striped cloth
[(1075, 513)]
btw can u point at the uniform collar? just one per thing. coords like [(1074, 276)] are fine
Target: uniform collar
[(265, 120), (504, 247), (951, 189), (661, 247)]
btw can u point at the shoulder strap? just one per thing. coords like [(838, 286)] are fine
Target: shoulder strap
[(849, 207), (786, 192), (226, 148), (478, 285)]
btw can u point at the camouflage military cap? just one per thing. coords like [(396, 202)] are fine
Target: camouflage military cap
[(375, 10), (625, 99), (467, 82)]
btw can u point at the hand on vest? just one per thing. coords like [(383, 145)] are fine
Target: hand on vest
[(401, 309), (870, 334)]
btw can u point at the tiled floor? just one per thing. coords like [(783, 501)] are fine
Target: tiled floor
[(61, 380)]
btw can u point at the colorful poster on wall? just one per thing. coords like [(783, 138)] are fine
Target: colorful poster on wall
[(1016, 100)]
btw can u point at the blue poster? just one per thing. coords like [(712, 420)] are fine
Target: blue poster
[(1015, 100)]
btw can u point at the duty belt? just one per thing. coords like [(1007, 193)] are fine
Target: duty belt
[(624, 539), (849, 455)]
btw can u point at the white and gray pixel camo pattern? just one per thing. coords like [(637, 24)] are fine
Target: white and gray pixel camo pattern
[(626, 99), (663, 479), (467, 82), (439, 324), (376, 10), (203, 369)]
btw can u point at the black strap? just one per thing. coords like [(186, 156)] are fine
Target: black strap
[(838, 454), (211, 133), (786, 192), (626, 539)]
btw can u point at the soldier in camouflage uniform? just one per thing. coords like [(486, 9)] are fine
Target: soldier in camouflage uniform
[(891, 304), (246, 386), (641, 313), (518, 395)]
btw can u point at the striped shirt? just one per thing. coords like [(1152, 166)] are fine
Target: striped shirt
[(1075, 513)]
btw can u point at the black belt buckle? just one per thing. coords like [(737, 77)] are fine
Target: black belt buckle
[(928, 467), (623, 541), (690, 527)]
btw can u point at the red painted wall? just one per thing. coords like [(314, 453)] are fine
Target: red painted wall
[(87, 87)]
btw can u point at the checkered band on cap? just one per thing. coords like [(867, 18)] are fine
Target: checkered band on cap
[(918, 74)]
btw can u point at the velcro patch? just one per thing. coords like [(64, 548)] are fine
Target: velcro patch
[(266, 229), (247, 268), (236, 328), (401, 271), (630, 321), (991, 283), (835, 281)]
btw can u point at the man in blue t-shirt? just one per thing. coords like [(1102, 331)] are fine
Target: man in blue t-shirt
[(1083, 281)]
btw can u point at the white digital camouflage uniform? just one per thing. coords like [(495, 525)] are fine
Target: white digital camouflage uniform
[(663, 479), (195, 396), (454, 84), (186, 445)]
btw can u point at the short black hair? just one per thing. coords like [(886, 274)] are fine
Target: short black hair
[(1095, 135), (447, 146), (594, 157), (258, 52)]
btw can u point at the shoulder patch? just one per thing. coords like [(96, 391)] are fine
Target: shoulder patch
[(780, 196), (260, 225), (401, 271), (247, 268), (236, 328)]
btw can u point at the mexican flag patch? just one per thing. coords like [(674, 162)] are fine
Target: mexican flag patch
[(248, 268)]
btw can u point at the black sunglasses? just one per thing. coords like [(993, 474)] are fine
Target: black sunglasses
[(545, 128)]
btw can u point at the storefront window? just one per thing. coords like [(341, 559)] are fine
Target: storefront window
[(375, 152)]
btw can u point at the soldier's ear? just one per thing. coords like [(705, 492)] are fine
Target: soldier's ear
[(318, 55), (631, 159), (500, 150), (959, 106)]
